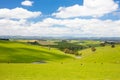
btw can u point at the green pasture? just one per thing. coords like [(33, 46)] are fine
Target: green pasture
[(16, 52), (17, 63), (58, 71), (102, 54)]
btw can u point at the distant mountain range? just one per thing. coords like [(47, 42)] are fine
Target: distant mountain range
[(61, 37)]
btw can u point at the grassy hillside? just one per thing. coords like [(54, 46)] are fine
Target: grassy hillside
[(102, 54), (103, 64), (21, 52)]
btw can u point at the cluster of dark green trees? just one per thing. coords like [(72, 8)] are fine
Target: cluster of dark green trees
[(68, 48), (108, 43), (71, 48)]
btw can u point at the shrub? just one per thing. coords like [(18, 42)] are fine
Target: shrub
[(66, 50), (113, 45), (93, 49), (103, 44)]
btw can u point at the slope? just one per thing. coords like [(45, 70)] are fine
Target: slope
[(102, 54), (20, 52)]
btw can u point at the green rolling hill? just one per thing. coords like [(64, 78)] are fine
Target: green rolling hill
[(102, 54), (14, 52), (103, 64)]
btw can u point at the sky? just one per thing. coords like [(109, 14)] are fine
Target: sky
[(56, 18)]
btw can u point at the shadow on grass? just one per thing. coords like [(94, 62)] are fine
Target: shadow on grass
[(28, 55)]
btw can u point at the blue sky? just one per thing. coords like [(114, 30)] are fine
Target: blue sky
[(78, 18), (45, 6)]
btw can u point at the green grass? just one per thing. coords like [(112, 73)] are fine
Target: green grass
[(20, 52), (57, 71), (103, 64), (102, 54), (86, 43)]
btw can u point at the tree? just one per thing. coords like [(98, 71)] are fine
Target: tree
[(66, 50), (113, 45), (102, 44), (93, 49), (77, 54)]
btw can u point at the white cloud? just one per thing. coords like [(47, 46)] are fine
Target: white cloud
[(27, 3), (16, 21), (59, 27), (18, 13), (94, 8)]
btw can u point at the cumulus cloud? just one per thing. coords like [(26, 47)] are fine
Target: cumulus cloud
[(94, 8), (15, 22), (18, 13), (27, 3), (60, 27)]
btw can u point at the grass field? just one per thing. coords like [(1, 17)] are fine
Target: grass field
[(102, 54), (14, 52), (57, 71), (103, 64)]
